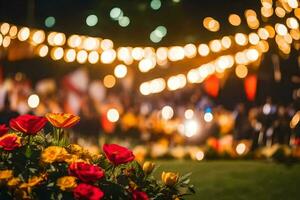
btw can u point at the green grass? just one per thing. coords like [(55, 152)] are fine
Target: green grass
[(238, 179)]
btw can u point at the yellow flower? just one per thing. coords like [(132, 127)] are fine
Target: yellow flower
[(133, 185), (33, 181), (62, 120), (14, 182), (148, 167), (54, 154), (169, 178), (76, 149), (72, 158), (6, 174), (66, 183)]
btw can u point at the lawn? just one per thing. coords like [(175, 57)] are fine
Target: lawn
[(239, 179)]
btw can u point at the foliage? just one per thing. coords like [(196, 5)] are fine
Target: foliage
[(45, 166)]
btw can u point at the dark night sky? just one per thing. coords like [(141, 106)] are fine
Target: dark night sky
[(183, 21)]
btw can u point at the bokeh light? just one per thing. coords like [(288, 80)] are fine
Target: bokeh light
[(109, 81), (33, 101), (113, 115)]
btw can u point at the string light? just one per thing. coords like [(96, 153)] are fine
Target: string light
[(109, 81), (57, 53), (93, 57), (234, 19), (241, 71), (23, 34), (43, 50), (120, 71), (167, 112), (70, 55), (113, 115), (81, 56)]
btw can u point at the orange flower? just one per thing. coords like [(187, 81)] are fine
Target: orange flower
[(62, 120), (33, 181)]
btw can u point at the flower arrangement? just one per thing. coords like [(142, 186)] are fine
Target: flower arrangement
[(39, 165)]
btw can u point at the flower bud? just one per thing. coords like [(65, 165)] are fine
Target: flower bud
[(148, 167), (169, 178)]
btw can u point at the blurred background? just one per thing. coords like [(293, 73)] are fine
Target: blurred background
[(169, 78)]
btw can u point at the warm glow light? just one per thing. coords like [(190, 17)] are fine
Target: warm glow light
[(4, 28), (190, 50), (57, 53), (241, 71), (176, 53), (146, 64), (203, 50), (124, 54), (91, 43), (33, 101), (109, 81), (23, 34), (6, 41), (162, 53), (199, 155), (191, 128), (263, 33), (189, 114), (234, 19), (93, 57), (13, 31), (293, 3), (145, 88), (120, 71), (43, 50), (281, 29), (215, 46), (226, 42), (137, 53), (240, 39), (113, 115), (252, 54), (108, 56), (280, 12), (70, 55), (211, 24), (240, 148), (74, 41), (38, 37), (81, 56), (208, 117), (193, 76), (253, 38), (267, 11), (270, 30), (167, 112), (59, 39), (107, 44), (292, 23), (176, 82)]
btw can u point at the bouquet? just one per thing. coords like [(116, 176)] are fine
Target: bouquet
[(39, 165)]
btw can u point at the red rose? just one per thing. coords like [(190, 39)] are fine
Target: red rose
[(10, 142), (117, 154), (139, 195), (3, 129), (28, 124), (85, 191), (86, 172)]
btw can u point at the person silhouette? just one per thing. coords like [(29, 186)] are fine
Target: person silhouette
[(6, 114)]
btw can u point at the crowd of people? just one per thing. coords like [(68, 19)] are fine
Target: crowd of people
[(186, 117)]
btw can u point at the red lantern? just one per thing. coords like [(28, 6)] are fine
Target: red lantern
[(250, 87), (212, 85)]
